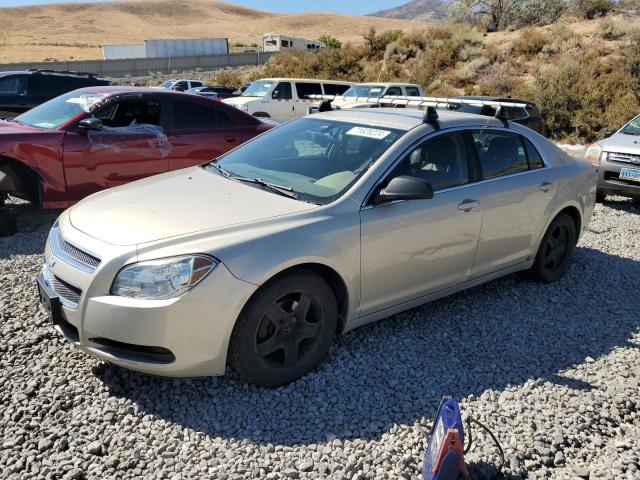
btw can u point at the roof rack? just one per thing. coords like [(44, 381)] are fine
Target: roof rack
[(404, 101), (65, 72)]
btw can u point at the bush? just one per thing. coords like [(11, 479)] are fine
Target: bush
[(536, 13), (376, 44), (612, 28), (231, 78), (591, 9), (330, 42), (530, 42)]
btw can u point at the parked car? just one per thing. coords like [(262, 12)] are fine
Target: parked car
[(22, 90), (180, 85), (618, 160), (528, 116), (95, 138), (357, 95), (284, 98), (215, 92), (314, 228)]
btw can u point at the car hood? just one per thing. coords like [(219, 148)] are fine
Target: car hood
[(176, 203), (241, 100), (350, 104), (621, 143), (13, 128)]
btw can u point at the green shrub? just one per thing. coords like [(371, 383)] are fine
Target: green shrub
[(591, 9), (530, 42), (330, 42), (231, 78), (612, 28)]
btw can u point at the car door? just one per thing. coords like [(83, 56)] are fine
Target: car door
[(303, 90), (518, 195), (131, 145), (200, 131), (414, 247), (282, 104)]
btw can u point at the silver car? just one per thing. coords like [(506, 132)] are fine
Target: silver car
[(318, 226), (618, 160)]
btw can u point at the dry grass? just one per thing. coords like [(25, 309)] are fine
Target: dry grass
[(76, 31)]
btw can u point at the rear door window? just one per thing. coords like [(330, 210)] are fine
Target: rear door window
[(394, 91), (534, 157), (413, 92), (12, 86), (194, 115), (500, 153), (335, 89), (306, 89)]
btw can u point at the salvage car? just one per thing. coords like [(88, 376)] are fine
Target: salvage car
[(22, 90), (100, 137), (321, 225), (618, 160)]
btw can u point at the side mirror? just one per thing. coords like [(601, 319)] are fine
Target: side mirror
[(91, 123), (608, 134), (405, 187), (275, 94)]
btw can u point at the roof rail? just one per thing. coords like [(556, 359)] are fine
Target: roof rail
[(404, 101), (66, 72)]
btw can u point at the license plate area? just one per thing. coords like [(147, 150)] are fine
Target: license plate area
[(50, 301), (632, 174)]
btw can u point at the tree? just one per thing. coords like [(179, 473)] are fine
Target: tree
[(590, 9), (492, 14), (330, 42)]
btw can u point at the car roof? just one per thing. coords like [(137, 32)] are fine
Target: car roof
[(406, 118), (13, 72), (318, 80), (388, 84), (115, 90)]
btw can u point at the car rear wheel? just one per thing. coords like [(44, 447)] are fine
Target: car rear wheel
[(555, 251), (284, 330)]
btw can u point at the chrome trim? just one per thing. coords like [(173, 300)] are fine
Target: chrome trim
[(48, 279), (58, 251), (627, 158)]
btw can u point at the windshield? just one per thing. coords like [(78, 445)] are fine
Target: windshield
[(59, 110), (632, 128), (364, 91), (317, 160), (258, 89), (167, 84)]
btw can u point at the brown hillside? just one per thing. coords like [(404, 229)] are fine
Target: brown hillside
[(77, 31)]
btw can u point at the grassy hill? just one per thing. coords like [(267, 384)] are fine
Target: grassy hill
[(76, 31)]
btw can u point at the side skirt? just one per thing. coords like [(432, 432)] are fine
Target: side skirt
[(401, 307)]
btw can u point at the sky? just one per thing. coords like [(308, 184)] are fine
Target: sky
[(355, 7)]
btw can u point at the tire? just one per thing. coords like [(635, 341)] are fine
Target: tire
[(555, 251), (8, 224), (269, 345), (600, 197)]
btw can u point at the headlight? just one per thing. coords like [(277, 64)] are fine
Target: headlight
[(593, 153), (164, 278)]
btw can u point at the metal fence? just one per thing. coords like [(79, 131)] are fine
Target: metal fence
[(140, 67)]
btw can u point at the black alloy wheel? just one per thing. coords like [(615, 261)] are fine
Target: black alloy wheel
[(284, 330), (555, 251)]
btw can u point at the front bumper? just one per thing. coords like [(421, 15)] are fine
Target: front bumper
[(609, 181), (185, 336)]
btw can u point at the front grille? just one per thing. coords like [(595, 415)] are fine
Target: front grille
[(624, 158), (74, 252), (66, 291)]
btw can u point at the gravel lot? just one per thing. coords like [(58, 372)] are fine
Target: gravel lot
[(551, 369)]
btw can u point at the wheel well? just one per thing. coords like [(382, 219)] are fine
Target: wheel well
[(333, 279), (26, 182), (575, 215)]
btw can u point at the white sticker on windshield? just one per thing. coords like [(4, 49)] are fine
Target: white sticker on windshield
[(369, 132), (86, 101)]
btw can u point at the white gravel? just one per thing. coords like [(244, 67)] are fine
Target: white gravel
[(551, 369)]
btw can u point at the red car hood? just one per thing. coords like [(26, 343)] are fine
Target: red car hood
[(9, 128)]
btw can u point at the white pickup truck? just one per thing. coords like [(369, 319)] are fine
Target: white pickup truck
[(357, 95)]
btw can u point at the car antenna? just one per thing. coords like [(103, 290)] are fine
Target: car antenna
[(431, 117)]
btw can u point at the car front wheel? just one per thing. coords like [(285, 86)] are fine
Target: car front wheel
[(555, 251), (284, 330)]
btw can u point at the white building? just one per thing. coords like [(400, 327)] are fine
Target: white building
[(276, 42)]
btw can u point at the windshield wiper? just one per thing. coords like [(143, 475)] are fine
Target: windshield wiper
[(279, 189)]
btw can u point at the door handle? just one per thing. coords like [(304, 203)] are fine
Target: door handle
[(230, 139), (468, 204), (546, 186)]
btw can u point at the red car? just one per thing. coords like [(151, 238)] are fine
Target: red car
[(95, 138)]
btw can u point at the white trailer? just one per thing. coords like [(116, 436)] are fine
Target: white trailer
[(186, 47), (276, 42), (118, 52)]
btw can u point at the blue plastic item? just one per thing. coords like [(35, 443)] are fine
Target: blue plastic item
[(443, 458)]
